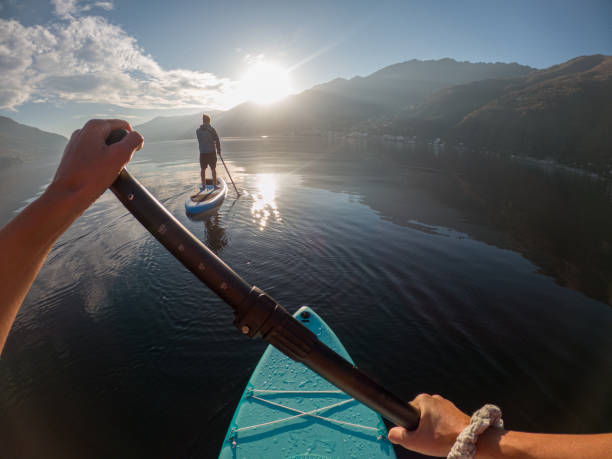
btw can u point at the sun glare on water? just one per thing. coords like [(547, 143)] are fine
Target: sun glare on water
[(265, 83), (264, 201)]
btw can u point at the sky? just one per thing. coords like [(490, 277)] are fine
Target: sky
[(65, 61)]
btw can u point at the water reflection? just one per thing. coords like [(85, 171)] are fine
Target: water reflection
[(111, 323), (215, 237), (558, 219), (264, 201)]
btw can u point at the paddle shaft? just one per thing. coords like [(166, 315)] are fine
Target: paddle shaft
[(228, 174), (256, 313)]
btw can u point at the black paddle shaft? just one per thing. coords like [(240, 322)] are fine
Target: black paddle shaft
[(256, 313)]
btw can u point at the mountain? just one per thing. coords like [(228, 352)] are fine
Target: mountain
[(20, 143), (562, 112), (340, 104), (309, 112), (400, 85), (445, 109), (174, 127)]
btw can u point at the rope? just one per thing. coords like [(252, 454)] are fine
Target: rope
[(465, 444), (305, 413), (269, 391)]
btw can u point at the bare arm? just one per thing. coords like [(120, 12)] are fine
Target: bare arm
[(441, 422), (499, 443), (216, 140), (88, 167)]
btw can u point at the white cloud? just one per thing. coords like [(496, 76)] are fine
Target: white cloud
[(123, 116), (104, 5), (67, 9), (88, 59), (253, 59)]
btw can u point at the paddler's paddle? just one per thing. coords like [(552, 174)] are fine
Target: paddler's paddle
[(228, 174), (256, 313)]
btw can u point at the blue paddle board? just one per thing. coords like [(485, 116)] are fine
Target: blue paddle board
[(288, 411), (209, 198)]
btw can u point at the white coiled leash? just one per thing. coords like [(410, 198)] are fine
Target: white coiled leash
[(465, 444)]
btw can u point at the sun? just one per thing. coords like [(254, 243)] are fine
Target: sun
[(265, 83)]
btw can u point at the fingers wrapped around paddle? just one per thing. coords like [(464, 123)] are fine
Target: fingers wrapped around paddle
[(89, 166), (440, 424)]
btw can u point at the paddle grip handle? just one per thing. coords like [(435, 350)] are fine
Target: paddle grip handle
[(256, 313)]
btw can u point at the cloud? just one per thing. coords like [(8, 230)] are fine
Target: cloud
[(88, 59), (104, 5), (67, 9), (253, 59)]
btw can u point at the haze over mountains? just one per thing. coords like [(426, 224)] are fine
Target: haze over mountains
[(20, 143), (343, 105), (562, 112)]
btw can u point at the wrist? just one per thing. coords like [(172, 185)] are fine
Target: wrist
[(76, 198), (66, 202), (496, 442), (484, 418), (45, 219)]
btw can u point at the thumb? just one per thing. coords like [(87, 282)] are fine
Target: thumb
[(132, 141), (127, 146), (399, 435)]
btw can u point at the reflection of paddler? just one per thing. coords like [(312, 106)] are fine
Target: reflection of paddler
[(216, 240)]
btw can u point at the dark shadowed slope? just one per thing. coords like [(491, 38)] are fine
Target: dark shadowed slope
[(563, 112)]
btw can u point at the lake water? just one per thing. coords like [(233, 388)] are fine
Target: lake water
[(480, 278)]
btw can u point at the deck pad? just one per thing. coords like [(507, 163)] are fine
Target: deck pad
[(208, 199), (207, 194), (269, 421)]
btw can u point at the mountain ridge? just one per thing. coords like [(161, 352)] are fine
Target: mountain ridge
[(564, 115), (343, 104), (20, 143), (560, 112), (340, 103)]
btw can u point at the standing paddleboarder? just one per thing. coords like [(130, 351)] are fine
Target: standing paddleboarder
[(209, 143)]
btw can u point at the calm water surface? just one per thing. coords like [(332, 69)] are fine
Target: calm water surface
[(479, 278)]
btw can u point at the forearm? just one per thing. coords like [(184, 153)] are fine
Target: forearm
[(217, 141), (88, 167), (499, 443), (441, 422), (25, 242)]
